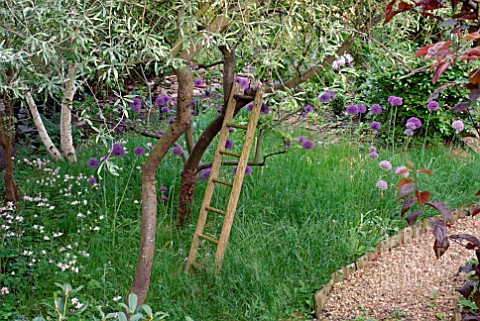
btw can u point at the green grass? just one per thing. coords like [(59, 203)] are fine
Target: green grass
[(300, 218)]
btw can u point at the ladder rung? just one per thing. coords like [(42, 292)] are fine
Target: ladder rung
[(244, 97), (237, 126), (215, 210), (208, 238), (221, 181), (224, 152), (198, 266)]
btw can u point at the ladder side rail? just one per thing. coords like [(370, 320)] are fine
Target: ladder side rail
[(238, 181)]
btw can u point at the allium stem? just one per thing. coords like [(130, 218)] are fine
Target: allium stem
[(473, 121), (426, 134)]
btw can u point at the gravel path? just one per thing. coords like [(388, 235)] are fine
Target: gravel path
[(400, 284)]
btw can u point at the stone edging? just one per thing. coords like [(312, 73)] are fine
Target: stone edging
[(405, 236)]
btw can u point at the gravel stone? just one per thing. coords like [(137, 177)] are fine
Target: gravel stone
[(400, 284)]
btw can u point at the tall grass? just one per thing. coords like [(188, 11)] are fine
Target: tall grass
[(300, 218)]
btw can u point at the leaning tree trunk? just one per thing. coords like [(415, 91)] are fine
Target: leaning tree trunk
[(7, 137), (149, 193), (188, 181), (42, 131), (66, 140)]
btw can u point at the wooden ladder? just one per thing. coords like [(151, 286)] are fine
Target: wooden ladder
[(235, 186)]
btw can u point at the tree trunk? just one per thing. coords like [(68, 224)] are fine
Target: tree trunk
[(7, 137), (66, 140), (47, 142), (149, 194), (188, 181)]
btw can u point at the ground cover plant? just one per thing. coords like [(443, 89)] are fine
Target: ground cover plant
[(85, 234)]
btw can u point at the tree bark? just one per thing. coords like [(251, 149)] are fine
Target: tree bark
[(7, 137), (149, 194), (42, 132), (66, 140), (188, 181)]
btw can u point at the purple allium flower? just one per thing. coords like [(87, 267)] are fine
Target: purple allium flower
[(160, 133), (160, 100), (248, 170), (193, 103), (362, 109), (165, 109), (91, 180), (385, 165), (198, 82), (228, 144), (164, 198), (264, 109), (408, 132), (139, 151), (242, 81), (372, 149), (193, 112), (136, 104), (117, 150), (171, 121), (433, 105), (400, 170), (307, 144), (390, 99), (376, 109), (301, 139), (352, 110), (177, 150), (287, 143), (373, 155), (206, 173), (397, 101), (458, 125), (325, 97), (303, 114), (375, 125), (92, 162), (333, 94), (413, 123), (382, 185), (308, 109), (249, 106), (163, 189), (231, 130)]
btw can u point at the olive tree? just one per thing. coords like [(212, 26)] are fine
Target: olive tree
[(54, 46)]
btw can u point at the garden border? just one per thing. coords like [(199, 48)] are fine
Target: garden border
[(405, 236)]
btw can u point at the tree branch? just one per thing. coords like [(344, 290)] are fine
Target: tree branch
[(397, 58), (206, 66), (13, 31), (315, 70), (233, 163), (415, 71)]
